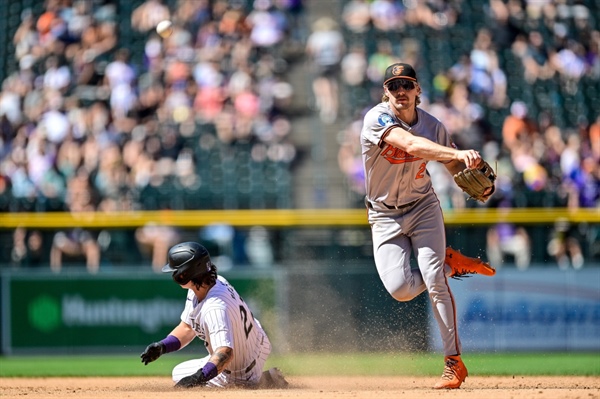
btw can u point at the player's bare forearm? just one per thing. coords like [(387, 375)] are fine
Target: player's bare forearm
[(427, 149), (221, 357), (420, 146), (184, 333)]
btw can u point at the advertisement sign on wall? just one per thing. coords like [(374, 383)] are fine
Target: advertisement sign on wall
[(536, 309), (67, 313)]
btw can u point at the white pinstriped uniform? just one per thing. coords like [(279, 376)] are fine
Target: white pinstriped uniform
[(400, 181), (224, 319)]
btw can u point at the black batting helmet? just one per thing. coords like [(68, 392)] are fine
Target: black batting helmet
[(187, 260)]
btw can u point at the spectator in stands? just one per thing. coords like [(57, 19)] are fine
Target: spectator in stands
[(146, 16), (100, 37), (379, 60), (354, 76), (295, 12), (26, 39), (77, 242), (356, 16), (594, 140), (485, 77), (536, 58), (569, 60), (350, 160), (192, 14), (564, 245), (6, 198), (27, 249), (325, 48), (120, 78), (508, 239), (57, 75), (518, 127), (154, 242), (268, 27), (584, 184), (258, 247), (437, 15), (387, 15)]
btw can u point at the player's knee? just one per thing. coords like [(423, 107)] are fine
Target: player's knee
[(402, 294), (398, 288)]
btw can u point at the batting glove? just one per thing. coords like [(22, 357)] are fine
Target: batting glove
[(153, 352), (195, 380)]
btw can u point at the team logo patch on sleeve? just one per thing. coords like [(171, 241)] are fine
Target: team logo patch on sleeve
[(385, 120)]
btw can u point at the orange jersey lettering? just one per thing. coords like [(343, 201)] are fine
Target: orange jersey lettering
[(396, 155)]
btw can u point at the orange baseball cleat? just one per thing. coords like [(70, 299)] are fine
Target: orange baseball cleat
[(462, 265), (454, 374)]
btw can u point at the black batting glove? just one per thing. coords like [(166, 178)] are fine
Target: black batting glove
[(153, 352), (195, 380)]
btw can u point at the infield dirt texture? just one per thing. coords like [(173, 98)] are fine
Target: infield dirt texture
[(518, 387)]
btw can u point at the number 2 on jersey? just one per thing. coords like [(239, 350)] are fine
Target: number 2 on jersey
[(421, 172), (247, 322)]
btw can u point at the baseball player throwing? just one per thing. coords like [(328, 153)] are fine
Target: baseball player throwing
[(398, 139), (214, 312)]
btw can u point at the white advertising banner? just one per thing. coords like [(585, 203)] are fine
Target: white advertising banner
[(536, 309)]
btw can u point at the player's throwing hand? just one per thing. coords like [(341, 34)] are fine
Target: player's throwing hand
[(471, 158)]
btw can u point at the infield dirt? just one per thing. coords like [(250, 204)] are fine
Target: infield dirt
[(517, 387)]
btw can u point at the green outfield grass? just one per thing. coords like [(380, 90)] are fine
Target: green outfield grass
[(313, 364)]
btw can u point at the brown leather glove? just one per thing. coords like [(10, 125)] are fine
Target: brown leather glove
[(479, 183)]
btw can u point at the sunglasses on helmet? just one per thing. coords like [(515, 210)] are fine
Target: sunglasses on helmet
[(396, 84)]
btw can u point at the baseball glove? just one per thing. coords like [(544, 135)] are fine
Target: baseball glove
[(477, 183)]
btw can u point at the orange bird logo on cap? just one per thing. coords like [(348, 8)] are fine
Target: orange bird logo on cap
[(397, 70)]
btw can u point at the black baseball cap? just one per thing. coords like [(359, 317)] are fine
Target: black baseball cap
[(399, 71)]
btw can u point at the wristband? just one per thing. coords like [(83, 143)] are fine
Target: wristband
[(209, 371), (171, 343)]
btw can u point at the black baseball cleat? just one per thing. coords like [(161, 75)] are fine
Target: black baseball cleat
[(273, 379)]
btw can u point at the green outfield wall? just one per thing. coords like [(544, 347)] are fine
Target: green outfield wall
[(301, 310), (76, 312)]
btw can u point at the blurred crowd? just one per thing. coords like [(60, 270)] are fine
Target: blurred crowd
[(85, 128)]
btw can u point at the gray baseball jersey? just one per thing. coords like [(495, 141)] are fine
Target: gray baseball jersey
[(395, 177), (405, 216), (224, 319)]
